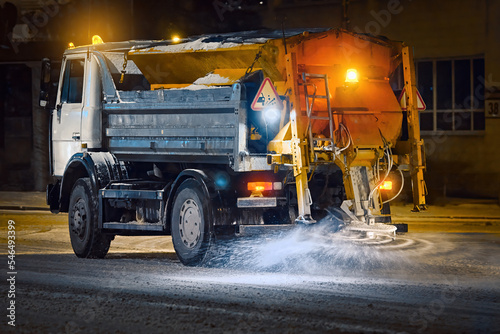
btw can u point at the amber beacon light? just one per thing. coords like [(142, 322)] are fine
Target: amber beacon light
[(351, 76), (386, 185), (96, 39)]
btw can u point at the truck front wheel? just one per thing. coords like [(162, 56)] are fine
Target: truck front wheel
[(191, 223), (86, 239)]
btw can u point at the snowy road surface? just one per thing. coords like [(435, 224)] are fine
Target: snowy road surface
[(308, 282)]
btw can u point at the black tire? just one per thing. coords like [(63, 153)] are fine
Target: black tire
[(191, 223), (86, 239)]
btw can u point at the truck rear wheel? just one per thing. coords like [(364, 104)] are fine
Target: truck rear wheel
[(191, 223), (86, 239)]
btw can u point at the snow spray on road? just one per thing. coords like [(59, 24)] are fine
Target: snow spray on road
[(317, 249)]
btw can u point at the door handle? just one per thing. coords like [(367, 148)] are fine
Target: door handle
[(76, 136), (59, 109)]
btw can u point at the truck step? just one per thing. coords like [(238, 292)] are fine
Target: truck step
[(260, 230), (133, 226), (132, 194)]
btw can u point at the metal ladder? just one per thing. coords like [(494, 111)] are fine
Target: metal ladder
[(309, 99)]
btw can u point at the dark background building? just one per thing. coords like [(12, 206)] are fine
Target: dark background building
[(456, 44)]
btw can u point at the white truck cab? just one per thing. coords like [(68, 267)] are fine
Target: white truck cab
[(76, 122)]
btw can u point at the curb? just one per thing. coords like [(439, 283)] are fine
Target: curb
[(446, 219), (454, 218), (444, 224), (453, 226), (23, 208)]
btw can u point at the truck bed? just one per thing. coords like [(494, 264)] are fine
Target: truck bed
[(178, 125)]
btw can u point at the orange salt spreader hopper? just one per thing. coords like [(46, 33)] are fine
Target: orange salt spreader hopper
[(344, 112)]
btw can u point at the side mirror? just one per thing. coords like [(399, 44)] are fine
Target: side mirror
[(45, 83)]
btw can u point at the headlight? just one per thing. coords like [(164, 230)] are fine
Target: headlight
[(272, 114)]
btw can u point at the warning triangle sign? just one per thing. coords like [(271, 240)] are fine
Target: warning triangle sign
[(266, 97), (402, 100)]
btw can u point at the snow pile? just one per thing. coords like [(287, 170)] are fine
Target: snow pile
[(196, 87), (204, 43), (206, 82), (196, 45), (211, 79), (199, 45)]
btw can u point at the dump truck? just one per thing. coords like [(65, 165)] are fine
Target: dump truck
[(229, 135)]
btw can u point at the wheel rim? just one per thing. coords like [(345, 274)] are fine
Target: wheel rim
[(190, 223), (79, 221)]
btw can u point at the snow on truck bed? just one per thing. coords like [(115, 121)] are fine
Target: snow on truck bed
[(223, 41), (207, 82), (197, 45), (211, 79)]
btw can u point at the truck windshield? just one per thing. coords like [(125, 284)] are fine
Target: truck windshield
[(133, 79)]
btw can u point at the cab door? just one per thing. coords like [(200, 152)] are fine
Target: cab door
[(67, 117)]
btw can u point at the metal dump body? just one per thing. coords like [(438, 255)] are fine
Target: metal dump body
[(180, 125)]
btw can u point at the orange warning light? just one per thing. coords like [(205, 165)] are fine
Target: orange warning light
[(96, 39), (352, 76), (260, 186), (386, 185)]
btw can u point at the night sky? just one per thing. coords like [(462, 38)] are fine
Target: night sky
[(52, 27)]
